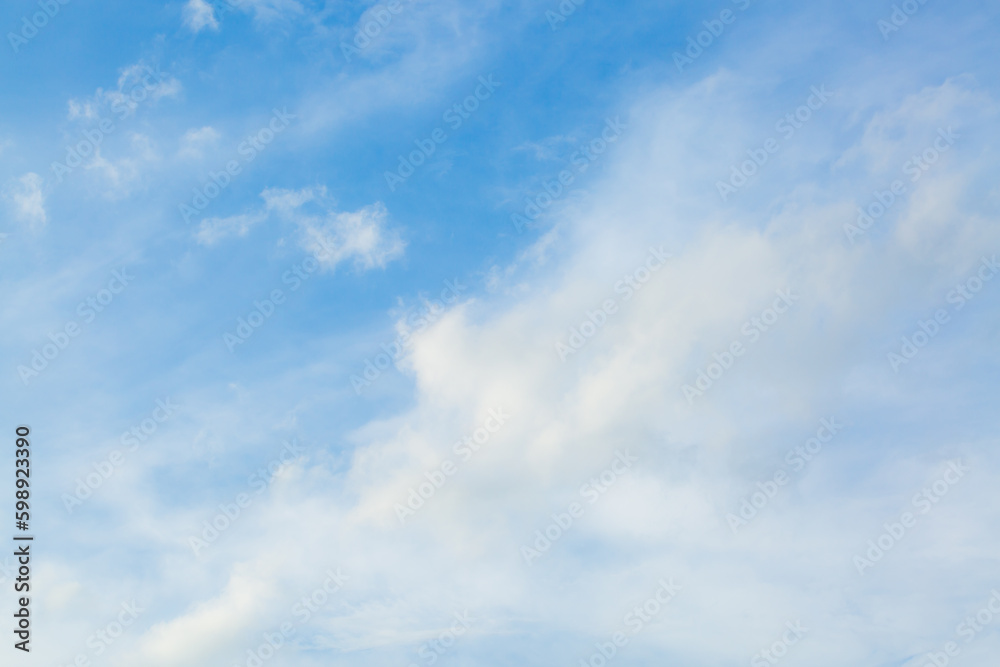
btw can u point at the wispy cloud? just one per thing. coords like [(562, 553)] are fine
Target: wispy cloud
[(26, 200), (137, 84), (363, 237), (199, 15), (214, 230), (196, 140)]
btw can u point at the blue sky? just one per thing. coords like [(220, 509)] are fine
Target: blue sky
[(391, 324)]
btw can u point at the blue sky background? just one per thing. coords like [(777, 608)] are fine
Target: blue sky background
[(335, 503)]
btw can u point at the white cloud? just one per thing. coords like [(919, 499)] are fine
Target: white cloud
[(137, 84), (26, 199), (120, 176), (417, 70), (282, 202), (271, 10), (196, 140), (216, 622), (332, 237), (666, 518), (620, 390), (199, 15), (361, 235), (891, 132), (287, 202), (214, 230)]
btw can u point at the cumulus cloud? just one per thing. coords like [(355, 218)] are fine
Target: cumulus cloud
[(619, 390)]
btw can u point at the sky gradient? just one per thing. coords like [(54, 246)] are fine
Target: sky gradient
[(528, 333)]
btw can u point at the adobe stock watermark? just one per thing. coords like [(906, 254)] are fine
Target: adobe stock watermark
[(923, 502), (372, 23), (455, 116), (899, 17), (301, 612), (969, 629), (752, 329), (130, 441), (101, 640), (797, 458), (592, 490), (556, 187), (915, 168), (630, 283), (438, 477), (635, 621), (40, 19), (713, 30), (394, 351), (928, 329), (264, 309), (88, 310), (564, 10), (773, 654), (229, 513), (247, 151), (787, 126), (432, 650)]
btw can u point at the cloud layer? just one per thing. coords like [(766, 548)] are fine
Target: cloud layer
[(665, 423)]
